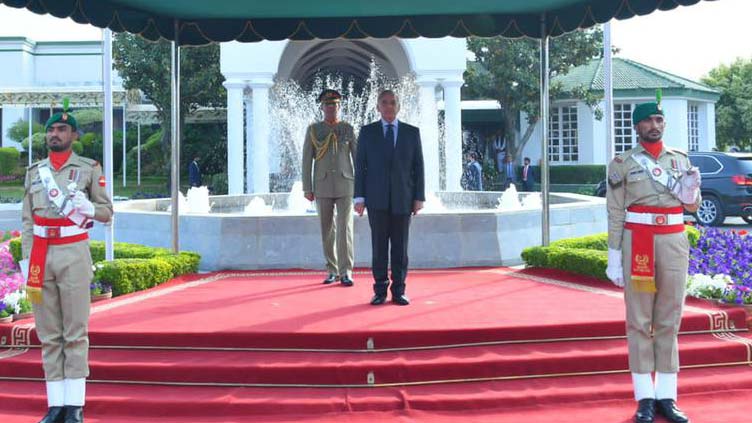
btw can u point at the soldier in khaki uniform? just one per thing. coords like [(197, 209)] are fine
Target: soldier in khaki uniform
[(329, 148), (649, 187), (64, 193)]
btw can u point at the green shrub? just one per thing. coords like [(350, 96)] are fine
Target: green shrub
[(8, 160), (536, 256), (122, 250), (576, 174), (590, 242), (131, 275), (693, 234), (182, 263)]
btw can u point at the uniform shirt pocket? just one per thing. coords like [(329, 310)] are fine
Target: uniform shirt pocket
[(637, 176)]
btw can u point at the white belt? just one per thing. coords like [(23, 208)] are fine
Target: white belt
[(657, 219), (58, 231)]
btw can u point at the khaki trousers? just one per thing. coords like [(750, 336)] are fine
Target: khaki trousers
[(653, 319), (337, 228), (62, 320)]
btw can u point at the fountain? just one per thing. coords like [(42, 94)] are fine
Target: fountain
[(281, 230)]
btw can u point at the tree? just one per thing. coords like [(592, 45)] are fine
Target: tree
[(733, 112), (507, 71), (145, 66)]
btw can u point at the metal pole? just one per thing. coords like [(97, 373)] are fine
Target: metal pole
[(175, 141), (608, 86), (545, 234), (138, 154), (107, 128), (31, 133), (125, 139)]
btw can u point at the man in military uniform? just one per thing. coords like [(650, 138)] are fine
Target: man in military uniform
[(64, 194), (649, 187), (329, 148)]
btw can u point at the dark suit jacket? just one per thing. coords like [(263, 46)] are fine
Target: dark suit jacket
[(389, 180), (194, 175)]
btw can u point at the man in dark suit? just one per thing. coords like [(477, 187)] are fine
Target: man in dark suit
[(389, 181), (528, 177), (194, 173)]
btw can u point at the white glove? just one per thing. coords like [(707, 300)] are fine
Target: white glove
[(82, 204), (24, 265), (687, 187), (614, 270)]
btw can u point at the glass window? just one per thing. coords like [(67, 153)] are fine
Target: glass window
[(693, 120), (562, 134)]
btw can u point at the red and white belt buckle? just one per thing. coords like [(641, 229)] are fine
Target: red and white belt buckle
[(660, 219), (52, 232)]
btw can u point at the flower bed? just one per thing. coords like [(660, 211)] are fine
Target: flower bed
[(720, 266)]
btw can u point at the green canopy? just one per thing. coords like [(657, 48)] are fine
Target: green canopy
[(203, 21)]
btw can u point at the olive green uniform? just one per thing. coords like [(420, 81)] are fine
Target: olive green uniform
[(328, 157), (653, 319), (63, 316)]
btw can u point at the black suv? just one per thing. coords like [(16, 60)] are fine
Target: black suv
[(726, 186)]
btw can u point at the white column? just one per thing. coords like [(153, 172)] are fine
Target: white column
[(138, 154), (259, 164), (429, 133), (248, 104), (453, 133), (234, 136)]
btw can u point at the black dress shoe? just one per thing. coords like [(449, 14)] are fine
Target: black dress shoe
[(54, 415), (645, 411), (668, 409), (331, 279), (346, 281), (401, 300), (74, 414), (378, 299)]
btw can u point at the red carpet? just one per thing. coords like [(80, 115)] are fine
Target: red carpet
[(221, 346)]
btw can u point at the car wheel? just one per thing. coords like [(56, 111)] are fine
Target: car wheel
[(747, 218), (710, 212)]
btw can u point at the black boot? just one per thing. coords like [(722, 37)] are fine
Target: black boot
[(668, 409), (74, 414), (645, 411), (54, 415)]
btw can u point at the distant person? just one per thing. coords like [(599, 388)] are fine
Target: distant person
[(509, 172), (194, 173), (389, 181), (528, 177), (473, 173), (328, 178), (500, 150)]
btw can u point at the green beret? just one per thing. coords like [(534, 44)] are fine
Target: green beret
[(644, 111), (329, 96), (62, 117)]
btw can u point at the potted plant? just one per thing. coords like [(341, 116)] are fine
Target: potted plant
[(23, 309), (6, 315), (100, 290)]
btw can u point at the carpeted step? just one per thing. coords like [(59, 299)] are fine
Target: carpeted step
[(413, 366), (514, 397)]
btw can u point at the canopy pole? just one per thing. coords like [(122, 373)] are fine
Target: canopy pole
[(31, 133), (125, 139), (175, 141), (545, 234), (138, 154), (608, 86), (107, 128)]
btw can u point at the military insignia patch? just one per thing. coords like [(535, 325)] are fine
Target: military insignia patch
[(73, 175), (657, 171), (614, 179), (618, 159), (54, 193), (101, 181)]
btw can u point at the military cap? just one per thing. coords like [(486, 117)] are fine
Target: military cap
[(62, 117), (645, 110), (329, 96)]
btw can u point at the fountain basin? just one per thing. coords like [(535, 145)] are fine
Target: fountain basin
[(470, 231)]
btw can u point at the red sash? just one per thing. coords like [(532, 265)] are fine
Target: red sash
[(643, 248), (39, 253)]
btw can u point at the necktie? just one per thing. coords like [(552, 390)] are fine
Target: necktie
[(524, 176), (389, 137)]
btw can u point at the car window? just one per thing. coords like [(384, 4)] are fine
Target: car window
[(707, 164), (745, 164)]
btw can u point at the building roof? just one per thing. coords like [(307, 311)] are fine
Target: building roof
[(633, 79)]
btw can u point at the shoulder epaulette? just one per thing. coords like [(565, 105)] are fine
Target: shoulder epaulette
[(88, 161), (677, 151)]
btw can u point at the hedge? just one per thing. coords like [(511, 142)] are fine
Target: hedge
[(122, 250), (577, 174), (8, 160), (137, 274), (587, 255)]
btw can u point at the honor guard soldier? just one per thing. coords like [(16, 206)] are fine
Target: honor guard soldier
[(649, 188), (64, 194), (329, 149)]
